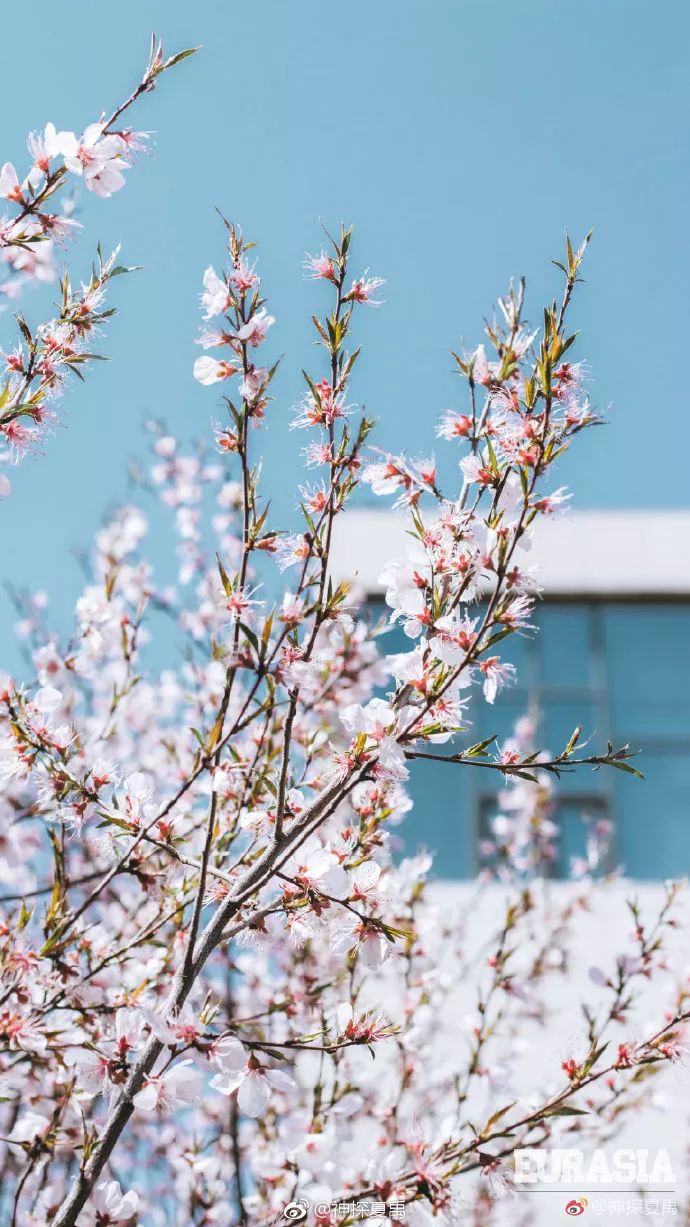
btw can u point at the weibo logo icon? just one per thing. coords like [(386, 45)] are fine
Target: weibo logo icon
[(576, 1206)]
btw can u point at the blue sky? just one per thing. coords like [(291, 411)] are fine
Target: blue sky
[(459, 138)]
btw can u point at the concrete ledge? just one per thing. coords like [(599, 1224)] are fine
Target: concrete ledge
[(630, 554)]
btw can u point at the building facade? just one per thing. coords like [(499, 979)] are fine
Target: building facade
[(611, 653)]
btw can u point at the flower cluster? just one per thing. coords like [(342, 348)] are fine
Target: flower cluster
[(206, 934), (33, 371)]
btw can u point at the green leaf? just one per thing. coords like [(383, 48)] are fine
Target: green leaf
[(565, 1111), (250, 636), (575, 737), (493, 1120), (224, 577), (479, 747), (179, 57), (621, 766)]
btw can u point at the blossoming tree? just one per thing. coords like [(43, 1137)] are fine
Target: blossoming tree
[(205, 939)]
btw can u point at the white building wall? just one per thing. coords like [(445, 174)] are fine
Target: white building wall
[(617, 553), (602, 933)]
